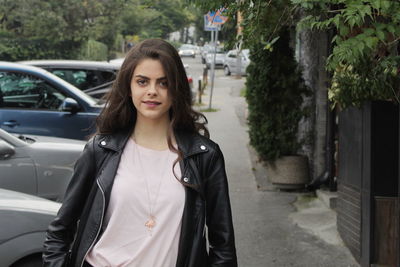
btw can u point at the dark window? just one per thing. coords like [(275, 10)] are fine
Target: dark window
[(84, 79), (18, 90)]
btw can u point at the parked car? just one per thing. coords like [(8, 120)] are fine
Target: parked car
[(34, 101), (37, 165), (231, 62), (219, 57), (187, 50), (95, 78), (204, 51), (23, 223)]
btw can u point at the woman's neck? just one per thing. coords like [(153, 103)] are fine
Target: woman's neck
[(151, 134)]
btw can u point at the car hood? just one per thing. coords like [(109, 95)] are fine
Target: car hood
[(15, 201), (22, 214)]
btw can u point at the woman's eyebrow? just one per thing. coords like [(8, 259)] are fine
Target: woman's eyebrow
[(147, 78)]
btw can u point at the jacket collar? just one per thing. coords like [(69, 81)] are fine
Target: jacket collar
[(189, 143)]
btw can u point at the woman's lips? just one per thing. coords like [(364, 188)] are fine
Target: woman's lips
[(151, 103)]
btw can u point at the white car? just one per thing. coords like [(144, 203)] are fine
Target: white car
[(24, 220), (231, 62), (37, 165), (187, 50), (219, 57)]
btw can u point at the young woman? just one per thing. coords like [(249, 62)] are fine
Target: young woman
[(150, 187)]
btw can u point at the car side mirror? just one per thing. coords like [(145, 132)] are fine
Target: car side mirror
[(70, 105), (6, 150)]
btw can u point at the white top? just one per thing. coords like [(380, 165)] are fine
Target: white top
[(142, 174)]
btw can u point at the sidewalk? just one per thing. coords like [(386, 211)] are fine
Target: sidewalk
[(266, 222)]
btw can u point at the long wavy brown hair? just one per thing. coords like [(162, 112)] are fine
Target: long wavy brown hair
[(119, 112)]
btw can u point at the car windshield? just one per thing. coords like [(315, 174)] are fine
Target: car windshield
[(220, 50), (187, 46)]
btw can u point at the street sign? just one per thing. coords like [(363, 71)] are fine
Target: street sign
[(208, 26), (216, 18), (213, 20)]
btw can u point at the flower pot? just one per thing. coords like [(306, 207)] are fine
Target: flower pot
[(288, 172)]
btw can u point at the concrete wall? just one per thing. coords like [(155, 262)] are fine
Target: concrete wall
[(312, 51)]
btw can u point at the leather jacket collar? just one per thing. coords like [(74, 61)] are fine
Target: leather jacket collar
[(189, 143)]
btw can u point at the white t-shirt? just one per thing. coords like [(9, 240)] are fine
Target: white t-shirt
[(126, 241)]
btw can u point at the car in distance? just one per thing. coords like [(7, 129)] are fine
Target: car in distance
[(231, 62), (37, 165), (219, 57), (204, 51), (187, 50), (34, 101), (95, 78), (24, 220)]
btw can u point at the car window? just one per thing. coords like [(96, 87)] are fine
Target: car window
[(84, 79), (232, 54), (19, 90)]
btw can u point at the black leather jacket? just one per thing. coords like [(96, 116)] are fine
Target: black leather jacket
[(78, 224)]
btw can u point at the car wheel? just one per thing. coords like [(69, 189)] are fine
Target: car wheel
[(30, 261), (227, 72)]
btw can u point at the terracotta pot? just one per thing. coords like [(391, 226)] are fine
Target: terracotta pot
[(288, 172)]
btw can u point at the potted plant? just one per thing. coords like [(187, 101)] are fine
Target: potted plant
[(275, 96)]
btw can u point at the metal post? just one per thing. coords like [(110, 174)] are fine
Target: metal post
[(213, 68)]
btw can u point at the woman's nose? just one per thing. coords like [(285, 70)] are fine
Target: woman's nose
[(152, 89)]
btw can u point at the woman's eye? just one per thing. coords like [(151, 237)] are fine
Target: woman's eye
[(141, 82), (164, 84)]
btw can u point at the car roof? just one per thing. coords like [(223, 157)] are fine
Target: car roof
[(33, 70), (61, 63)]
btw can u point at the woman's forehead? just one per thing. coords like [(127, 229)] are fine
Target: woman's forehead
[(150, 68)]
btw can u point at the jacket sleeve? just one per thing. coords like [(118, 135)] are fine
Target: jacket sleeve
[(61, 230), (222, 251)]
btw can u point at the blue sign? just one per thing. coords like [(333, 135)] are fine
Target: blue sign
[(208, 26), (215, 17)]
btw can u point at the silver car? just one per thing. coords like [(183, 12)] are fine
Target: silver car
[(23, 222), (219, 57), (231, 62), (37, 165), (187, 50)]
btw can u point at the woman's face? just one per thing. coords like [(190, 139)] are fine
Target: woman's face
[(149, 91)]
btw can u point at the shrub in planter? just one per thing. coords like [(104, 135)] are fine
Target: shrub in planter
[(275, 91)]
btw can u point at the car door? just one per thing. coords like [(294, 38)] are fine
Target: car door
[(231, 58), (32, 105), (17, 169)]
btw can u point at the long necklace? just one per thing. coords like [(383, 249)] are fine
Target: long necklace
[(151, 221)]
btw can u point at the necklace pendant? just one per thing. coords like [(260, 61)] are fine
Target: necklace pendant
[(150, 223)]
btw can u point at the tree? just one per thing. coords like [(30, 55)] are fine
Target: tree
[(365, 60)]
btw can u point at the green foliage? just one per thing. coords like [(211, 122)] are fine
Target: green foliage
[(275, 93), (68, 25), (14, 49), (364, 61), (274, 85), (93, 50)]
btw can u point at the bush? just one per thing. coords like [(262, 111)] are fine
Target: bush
[(94, 50), (275, 91), (15, 49)]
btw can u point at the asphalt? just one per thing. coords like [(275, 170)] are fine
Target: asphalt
[(272, 228)]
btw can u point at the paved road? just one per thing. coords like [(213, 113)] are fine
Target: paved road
[(265, 234)]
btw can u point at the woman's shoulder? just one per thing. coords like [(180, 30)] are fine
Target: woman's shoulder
[(202, 142)]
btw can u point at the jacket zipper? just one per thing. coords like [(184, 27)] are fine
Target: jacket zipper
[(101, 222)]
